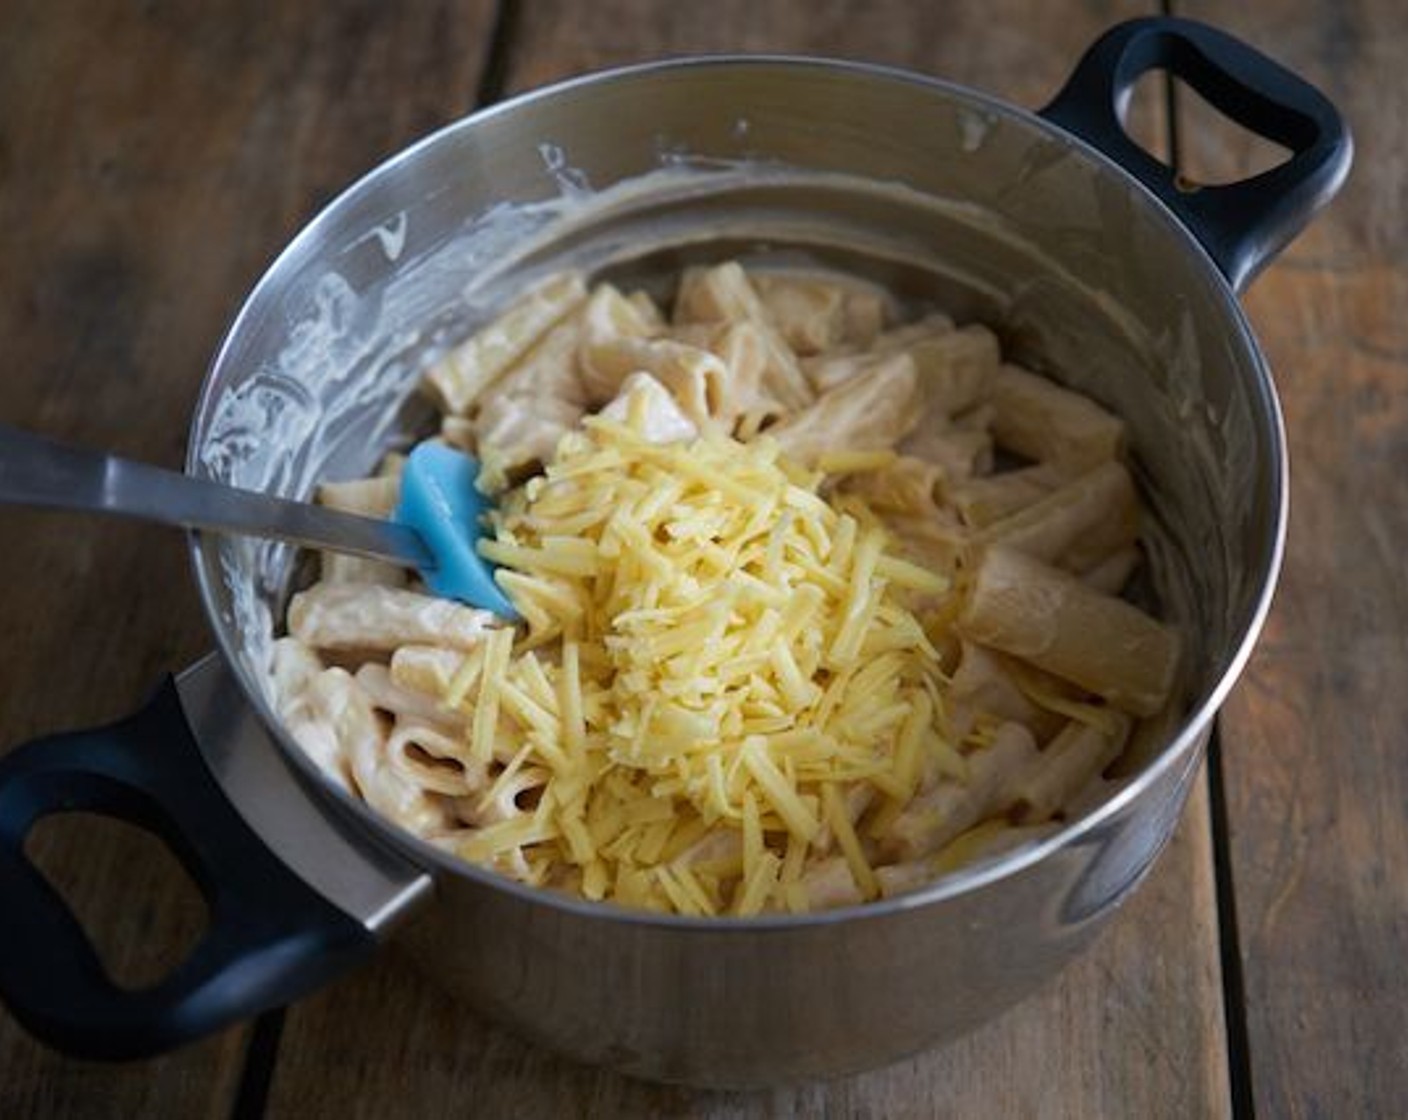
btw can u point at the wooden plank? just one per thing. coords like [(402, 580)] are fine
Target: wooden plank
[(1015, 48), (1134, 1028), (1315, 772), (152, 159)]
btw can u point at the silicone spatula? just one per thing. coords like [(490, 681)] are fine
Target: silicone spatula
[(434, 530), (440, 503)]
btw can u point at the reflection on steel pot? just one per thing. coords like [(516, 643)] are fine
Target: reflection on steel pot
[(1074, 243)]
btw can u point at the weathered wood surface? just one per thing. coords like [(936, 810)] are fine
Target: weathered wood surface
[(1314, 740), (153, 158)]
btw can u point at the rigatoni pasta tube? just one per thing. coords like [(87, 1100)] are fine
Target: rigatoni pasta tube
[(724, 293), (958, 453), (366, 497), (1076, 526), (1113, 572), (342, 567), (352, 616), (697, 378), (809, 311), (955, 368), (1039, 419), (460, 376), (1049, 618), (876, 410), (934, 818), (1064, 767), (609, 317), (983, 501), (982, 685)]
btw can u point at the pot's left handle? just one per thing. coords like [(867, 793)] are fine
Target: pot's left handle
[(270, 936)]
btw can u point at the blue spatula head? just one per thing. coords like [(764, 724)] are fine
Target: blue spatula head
[(439, 501)]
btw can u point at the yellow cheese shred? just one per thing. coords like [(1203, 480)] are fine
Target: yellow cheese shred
[(704, 678)]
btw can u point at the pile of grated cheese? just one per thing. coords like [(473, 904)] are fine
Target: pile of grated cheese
[(718, 666)]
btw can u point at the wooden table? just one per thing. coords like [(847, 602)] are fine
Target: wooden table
[(153, 158)]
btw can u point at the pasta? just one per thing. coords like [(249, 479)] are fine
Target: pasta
[(816, 606)]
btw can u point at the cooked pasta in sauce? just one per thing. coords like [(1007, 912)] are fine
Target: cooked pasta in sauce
[(789, 639)]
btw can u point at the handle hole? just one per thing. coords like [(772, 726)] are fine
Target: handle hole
[(141, 911), (1144, 115), (1213, 150)]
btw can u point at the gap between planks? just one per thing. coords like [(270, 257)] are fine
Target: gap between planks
[(1234, 994)]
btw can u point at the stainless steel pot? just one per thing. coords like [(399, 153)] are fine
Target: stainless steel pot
[(1053, 227)]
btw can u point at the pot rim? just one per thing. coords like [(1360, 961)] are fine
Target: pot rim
[(1191, 727)]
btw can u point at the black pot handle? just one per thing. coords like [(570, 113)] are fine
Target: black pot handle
[(270, 939), (1242, 225)]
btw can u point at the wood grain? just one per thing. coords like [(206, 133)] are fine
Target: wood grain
[(1134, 1028), (1315, 768), (152, 158), (1015, 48)]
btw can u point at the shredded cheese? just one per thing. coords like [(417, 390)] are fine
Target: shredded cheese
[(713, 654)]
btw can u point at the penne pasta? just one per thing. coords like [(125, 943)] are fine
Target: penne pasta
[(937, 542), (458, 432), (537, 401), (987, 841), (828, 883), (696, 378), (426, 756), (906, 485), (608, 320), (743, 351), (958, 453), (512, 433), (431, 671), (865, 310), (292, 667), (384, 688), (366, 497)]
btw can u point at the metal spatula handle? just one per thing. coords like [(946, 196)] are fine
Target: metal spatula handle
[(40, 472)]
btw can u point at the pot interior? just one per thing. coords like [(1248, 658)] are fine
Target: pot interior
[(952, 200)]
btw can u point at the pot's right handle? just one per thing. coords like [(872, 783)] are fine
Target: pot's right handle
[(271, 937), (1242, 225)]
